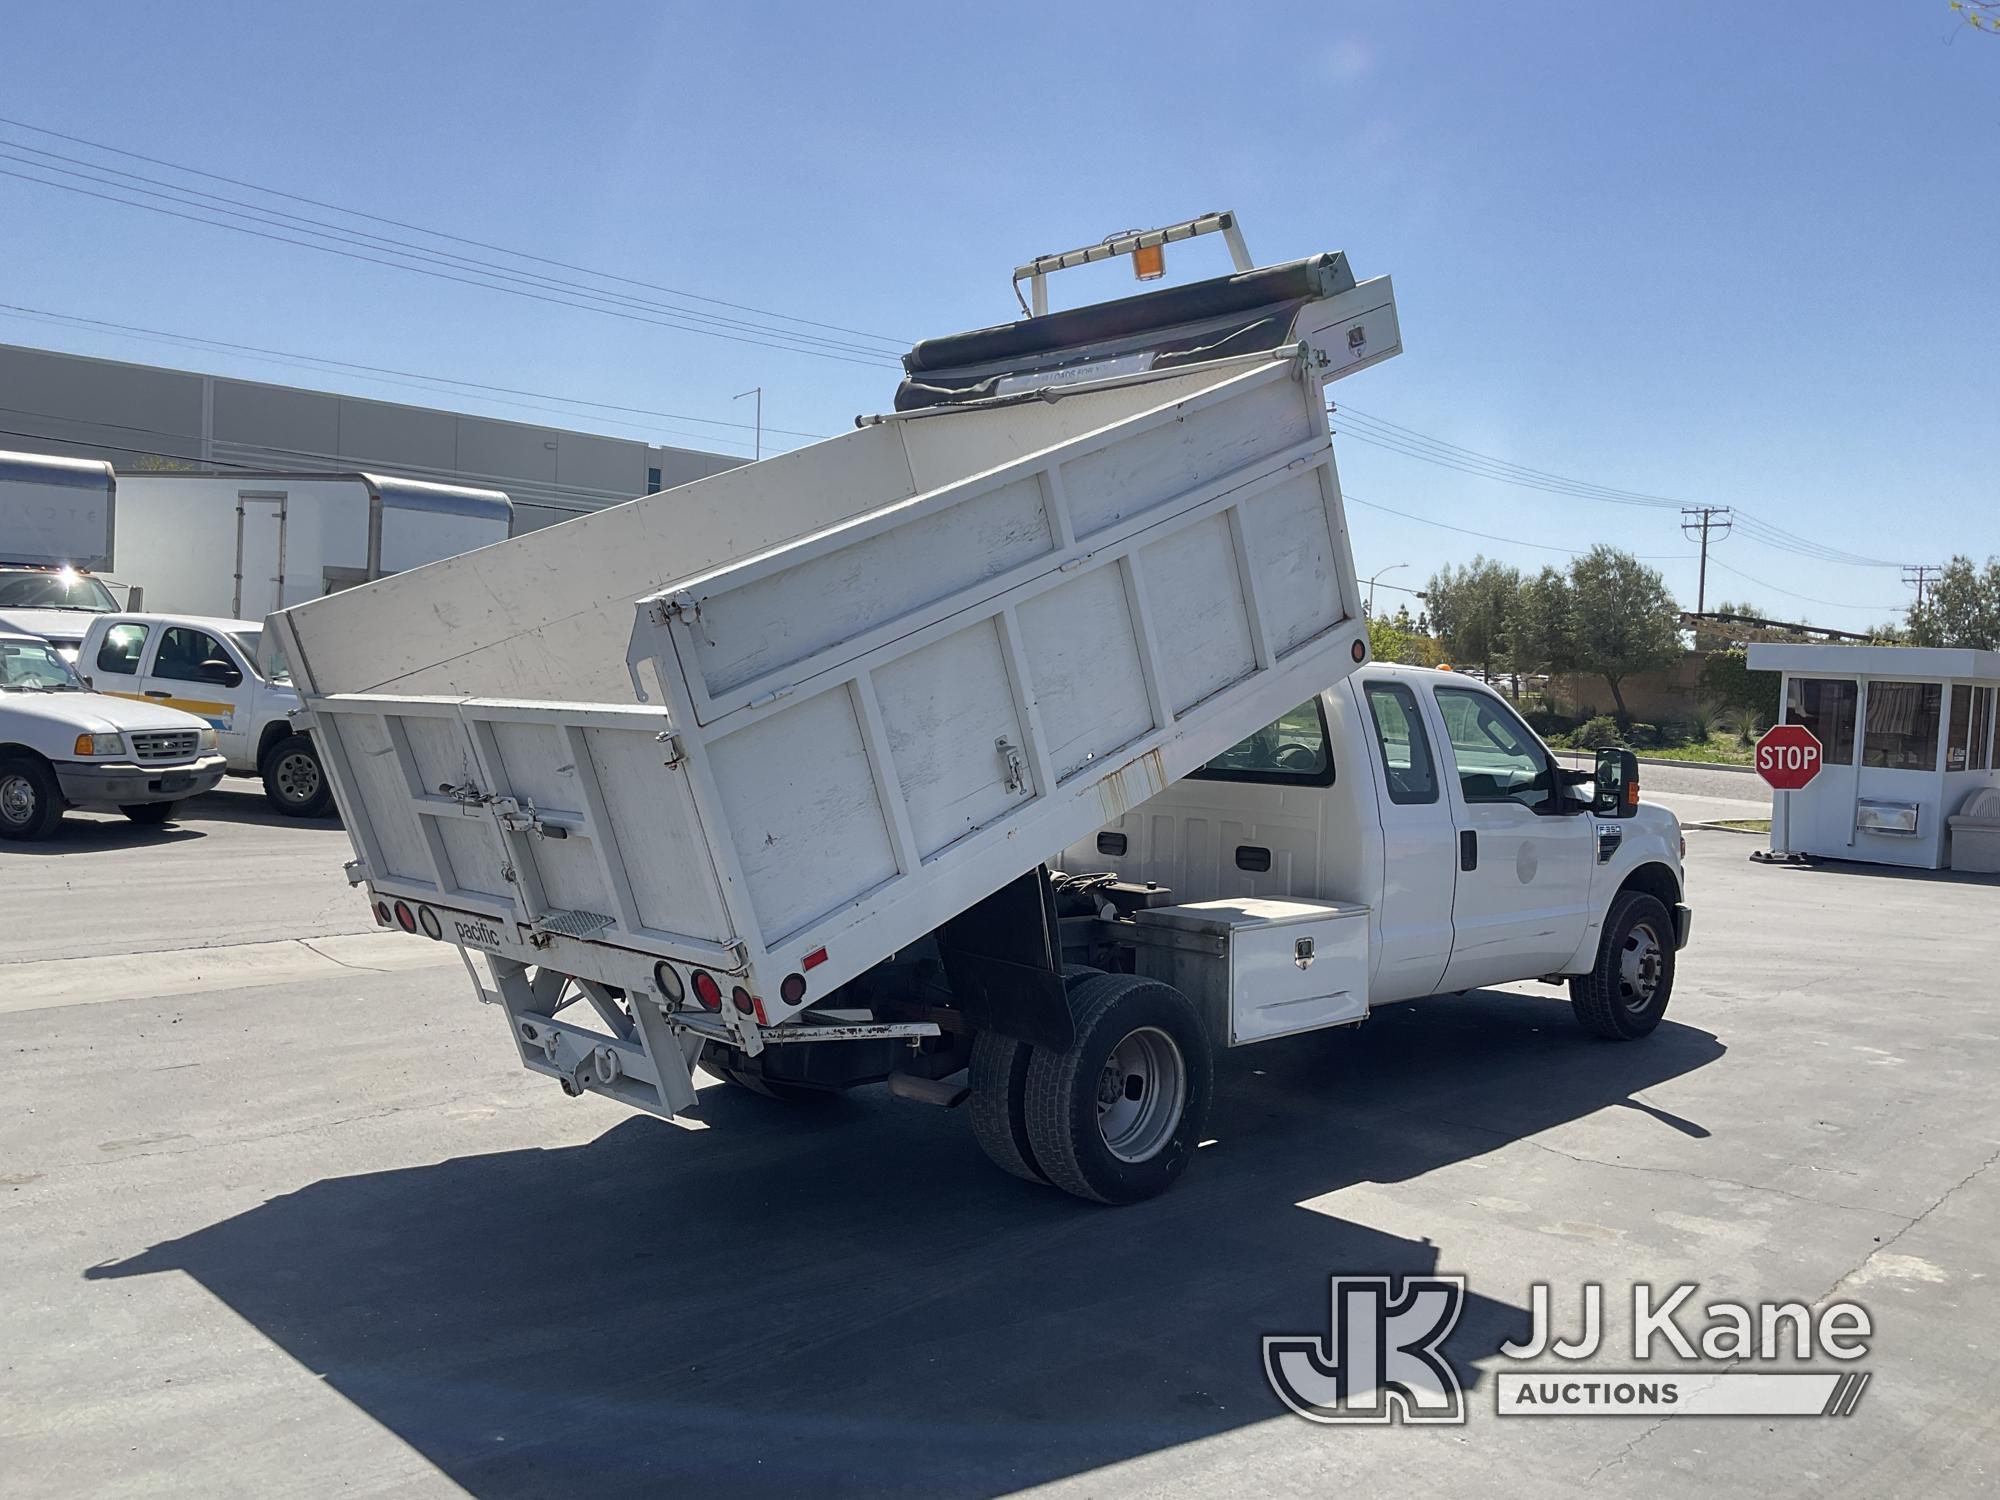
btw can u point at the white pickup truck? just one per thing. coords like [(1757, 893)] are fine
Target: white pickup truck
[(770, 771), (224, 672), (62, 746)]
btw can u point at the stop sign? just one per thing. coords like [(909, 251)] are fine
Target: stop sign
[(1788, 756)]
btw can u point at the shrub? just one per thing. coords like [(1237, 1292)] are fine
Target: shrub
[(1602, 730), (1550, 723)]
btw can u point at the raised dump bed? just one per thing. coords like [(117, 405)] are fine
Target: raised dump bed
[(727, 748)]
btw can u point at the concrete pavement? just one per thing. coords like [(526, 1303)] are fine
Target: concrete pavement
[(321, 1233)]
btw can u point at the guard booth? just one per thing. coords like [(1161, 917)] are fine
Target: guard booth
[(1908, 734)]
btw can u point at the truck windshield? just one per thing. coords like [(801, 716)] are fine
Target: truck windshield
[(1292, 751), (58, 588), (265, 652), (34, 667)]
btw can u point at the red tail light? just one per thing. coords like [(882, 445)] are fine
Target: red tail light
[(706, 990), (743, 1001), (382, 914), (405, 918), (793, 990)]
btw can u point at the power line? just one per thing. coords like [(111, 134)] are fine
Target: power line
[(1918, 575), (325, 361), (438, 233), (1353, 499), (1409, 442), (473, 281), (1808, 598)]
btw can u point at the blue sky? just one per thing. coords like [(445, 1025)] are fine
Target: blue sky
[(1728, 254)]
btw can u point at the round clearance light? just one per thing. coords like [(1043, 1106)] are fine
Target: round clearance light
[(1359, 651), (428, 919), (743, 1001), (793, 990), (706, 990), (668, 983), (382, 914), (405, 918)]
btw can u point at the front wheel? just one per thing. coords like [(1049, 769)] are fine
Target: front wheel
[(1117, 1117), (1626, 991), (31, 803), (294, 781)]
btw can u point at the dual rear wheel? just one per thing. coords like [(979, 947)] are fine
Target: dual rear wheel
[(1118, 1115)]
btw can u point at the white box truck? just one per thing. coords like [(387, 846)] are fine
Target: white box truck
[(240, 545), (56, 534), (774, 764)]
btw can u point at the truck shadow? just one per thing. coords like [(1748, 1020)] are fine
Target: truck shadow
[(847, 1299)]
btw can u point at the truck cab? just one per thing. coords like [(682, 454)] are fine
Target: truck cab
[(224, 672), (1423, 796), (55, 603)]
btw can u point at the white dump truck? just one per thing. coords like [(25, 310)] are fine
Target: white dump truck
[(778, 764)]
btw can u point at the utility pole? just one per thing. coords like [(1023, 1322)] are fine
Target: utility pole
[(1917, 575), (758, 392), (1697, 521)]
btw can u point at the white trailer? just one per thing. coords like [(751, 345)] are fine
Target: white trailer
[(771, 763), (240, 545), (56, 531)]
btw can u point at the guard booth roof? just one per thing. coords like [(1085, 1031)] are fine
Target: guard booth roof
[(1206, 319)]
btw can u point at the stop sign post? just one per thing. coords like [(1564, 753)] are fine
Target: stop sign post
[(1788, 757)]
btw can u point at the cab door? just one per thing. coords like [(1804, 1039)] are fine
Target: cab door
[(1419, 841), (198, 672), (1525, 851)]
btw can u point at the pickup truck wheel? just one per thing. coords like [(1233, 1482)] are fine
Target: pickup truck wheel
[(148, 814), (294, 782), (998, 1079), (31, 803), (1626, 992), (1116, 1118)]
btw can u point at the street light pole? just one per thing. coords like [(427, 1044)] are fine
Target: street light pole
[(1369, 608), (758, 392)]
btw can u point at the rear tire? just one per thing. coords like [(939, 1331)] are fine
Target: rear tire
[(1625, 993), (998, 1078), (150, 814), (1117, 1117), (31, 800), (294, 781)]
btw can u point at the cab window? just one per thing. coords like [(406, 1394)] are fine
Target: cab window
[(1292, 752), (123, 645), (183, 650), (1499, 758), (1406, 749)]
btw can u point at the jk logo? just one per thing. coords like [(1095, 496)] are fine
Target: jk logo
[(1382, 1362)]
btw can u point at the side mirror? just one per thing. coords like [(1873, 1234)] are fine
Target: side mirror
[(1617, 791), (135, 598), (223, 672)]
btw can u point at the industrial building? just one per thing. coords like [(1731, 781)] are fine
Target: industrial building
[(145, 417)]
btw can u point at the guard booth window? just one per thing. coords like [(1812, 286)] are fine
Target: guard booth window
[(1902, 730), (1825, 705), (1965, 743)]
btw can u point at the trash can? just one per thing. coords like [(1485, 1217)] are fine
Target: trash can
[(1975, 833)]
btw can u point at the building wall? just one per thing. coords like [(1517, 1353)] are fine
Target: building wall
[(143, 416)]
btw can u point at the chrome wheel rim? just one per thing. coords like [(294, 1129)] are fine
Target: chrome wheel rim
[(1639, 967), (17, 798), (297, 776), (1141, 1092)]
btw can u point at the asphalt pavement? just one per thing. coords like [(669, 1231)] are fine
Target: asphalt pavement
[(280, 1214)]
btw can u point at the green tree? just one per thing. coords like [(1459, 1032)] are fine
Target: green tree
[(1624, 620), (1962, 608), (1544, 634), (1471, 609), (1728, 683)]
